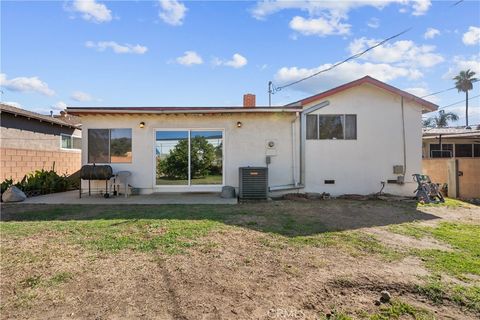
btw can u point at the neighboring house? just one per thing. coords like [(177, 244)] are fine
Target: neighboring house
[(452, 157), (349, 139), (30, 141), (456, 142)]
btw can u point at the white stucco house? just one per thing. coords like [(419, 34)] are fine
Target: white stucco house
[(349, 139)]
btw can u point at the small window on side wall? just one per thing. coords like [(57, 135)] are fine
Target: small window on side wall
[(70, 142), (109, 145), (332, 127)]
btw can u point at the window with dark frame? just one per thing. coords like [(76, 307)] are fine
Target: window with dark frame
[(476, 150), (331, 127), (109, 145), (463, 150), (445, 152)]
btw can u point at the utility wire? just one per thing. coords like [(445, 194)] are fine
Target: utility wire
[(355, 56), (455, 103), (444, 90)]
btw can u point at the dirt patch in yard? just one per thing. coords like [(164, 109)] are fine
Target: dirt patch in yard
[(266, 261)]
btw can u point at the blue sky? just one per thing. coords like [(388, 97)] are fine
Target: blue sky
[(185, 53)]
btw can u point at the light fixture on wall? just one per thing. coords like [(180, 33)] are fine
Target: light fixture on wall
[(142, 125), (239, 124)]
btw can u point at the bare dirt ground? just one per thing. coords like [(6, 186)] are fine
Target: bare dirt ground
[(245, 269)]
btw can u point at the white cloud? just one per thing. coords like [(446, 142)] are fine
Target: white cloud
[(403, 53), (92, 10), (172, 12), (13, 104), (237, 61), (431, 33), (319, 26), (472, 36), (81, 96), (421, 92), (462, 63), (373, 23), (190, 58), (117, 48), (60, 105), (346, 72), (329, 17), (420, 7), (25, 84)]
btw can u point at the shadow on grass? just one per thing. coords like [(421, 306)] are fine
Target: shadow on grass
[(288, 218)]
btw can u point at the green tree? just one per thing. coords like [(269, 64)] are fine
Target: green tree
[(440, 121), (175, 164), (464, 82)]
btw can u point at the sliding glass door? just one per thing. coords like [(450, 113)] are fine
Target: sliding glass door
[(189, 157)]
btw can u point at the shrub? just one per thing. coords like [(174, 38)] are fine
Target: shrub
[(41, 182)]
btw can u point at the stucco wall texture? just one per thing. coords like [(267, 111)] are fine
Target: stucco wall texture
[(468, 181), (357, 166)]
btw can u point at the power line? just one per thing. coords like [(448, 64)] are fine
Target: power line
[(444, 90), (458, 102), (276, 89)]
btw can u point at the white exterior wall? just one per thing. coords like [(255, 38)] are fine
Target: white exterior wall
[(358, 166), (245, 146)]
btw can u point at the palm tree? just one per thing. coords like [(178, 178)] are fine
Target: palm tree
[(464, 82), (440, 121)]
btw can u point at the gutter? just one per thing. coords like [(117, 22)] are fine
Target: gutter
[(80, 112)]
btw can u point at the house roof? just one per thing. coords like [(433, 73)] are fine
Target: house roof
[(79, 111), (452, 132), (5, 108), (427, 106)]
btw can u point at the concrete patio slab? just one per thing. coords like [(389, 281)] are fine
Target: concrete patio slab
[(71, 197)]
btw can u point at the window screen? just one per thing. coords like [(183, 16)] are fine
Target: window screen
[(312, 127), (98, 145), (331, 126), (476, 150), (351, 126)]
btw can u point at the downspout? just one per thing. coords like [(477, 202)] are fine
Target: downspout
[(404, 142), (294, 150), (303, 136)]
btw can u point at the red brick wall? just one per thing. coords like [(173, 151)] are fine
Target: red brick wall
[(16, 163)]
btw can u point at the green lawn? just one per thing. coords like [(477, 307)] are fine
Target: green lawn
[(213, 179), (35, 238)]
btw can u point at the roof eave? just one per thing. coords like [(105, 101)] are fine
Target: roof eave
[(86, 111)]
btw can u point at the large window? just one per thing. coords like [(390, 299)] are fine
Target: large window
[(458, 150), (189, 157), (70, 142), (109, 145), (332, 127)]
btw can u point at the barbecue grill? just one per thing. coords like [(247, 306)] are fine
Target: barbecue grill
[(95, 172)]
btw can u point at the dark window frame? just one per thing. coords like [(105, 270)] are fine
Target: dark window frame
[(108, 155), (346, 134)]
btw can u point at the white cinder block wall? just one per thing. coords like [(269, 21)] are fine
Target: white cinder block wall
[(358, 166)]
